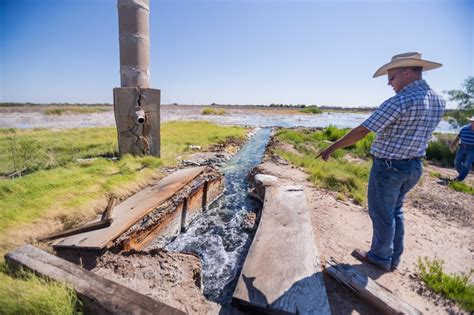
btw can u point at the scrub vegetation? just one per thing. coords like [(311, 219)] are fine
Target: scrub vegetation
[(455, 287), (72, 172), (213, 111), (311, 110), (439, 151), (348, 179), (66, 110)]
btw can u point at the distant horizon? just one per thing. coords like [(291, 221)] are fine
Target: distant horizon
[(6, 104)]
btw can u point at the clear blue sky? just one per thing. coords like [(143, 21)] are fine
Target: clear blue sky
[(233, 51)]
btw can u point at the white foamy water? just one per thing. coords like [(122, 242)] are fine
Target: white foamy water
[(217, 235)]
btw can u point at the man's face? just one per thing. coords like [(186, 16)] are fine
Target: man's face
[(397, 78)]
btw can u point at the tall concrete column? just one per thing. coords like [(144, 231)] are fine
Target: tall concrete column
[(136, 105)]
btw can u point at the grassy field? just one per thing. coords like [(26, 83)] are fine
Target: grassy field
[(62, 191)]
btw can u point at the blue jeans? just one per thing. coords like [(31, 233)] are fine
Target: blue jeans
[(389, 182), (463, 161)]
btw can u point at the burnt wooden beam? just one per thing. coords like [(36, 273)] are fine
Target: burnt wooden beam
[(99, 295)]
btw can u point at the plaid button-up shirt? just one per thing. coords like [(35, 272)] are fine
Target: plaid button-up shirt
[(405, 122)]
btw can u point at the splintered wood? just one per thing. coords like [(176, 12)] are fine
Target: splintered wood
[(154, 210), (282, 272)]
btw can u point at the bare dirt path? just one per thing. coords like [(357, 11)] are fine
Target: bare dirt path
[(438, 225)]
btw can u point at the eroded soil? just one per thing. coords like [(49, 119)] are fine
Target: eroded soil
[(170, 277)]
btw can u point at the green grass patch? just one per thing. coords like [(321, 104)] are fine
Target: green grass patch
[(213, 111), (22, 292), (337, 174), (462, 187), (435, 174), (311, 110), (37, 149), (454, 287)]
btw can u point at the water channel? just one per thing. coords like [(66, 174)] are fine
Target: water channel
[(217, 235)]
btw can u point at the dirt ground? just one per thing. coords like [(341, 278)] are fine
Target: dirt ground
[(438, 225)]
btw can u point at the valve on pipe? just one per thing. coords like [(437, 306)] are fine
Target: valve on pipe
[(139, 116)]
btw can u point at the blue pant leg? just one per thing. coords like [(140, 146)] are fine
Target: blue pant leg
[(383, 193), (468, 158), (459, 160), (398, 243)]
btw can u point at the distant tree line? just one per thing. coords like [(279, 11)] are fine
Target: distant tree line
[(9, 104), (465, 100)]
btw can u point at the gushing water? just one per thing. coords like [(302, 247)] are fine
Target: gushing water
[(217, 235)]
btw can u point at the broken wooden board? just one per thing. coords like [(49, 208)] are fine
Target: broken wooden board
[(173, 218), (99, 295), (282, 271), (131, 211), (372, 292)]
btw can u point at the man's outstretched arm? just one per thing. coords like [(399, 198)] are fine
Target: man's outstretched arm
[(350, 138)]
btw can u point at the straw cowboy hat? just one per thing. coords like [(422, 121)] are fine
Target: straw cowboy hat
[(410, 59), (471, 119)]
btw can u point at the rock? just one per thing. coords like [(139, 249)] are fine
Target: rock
[(249, 223), (194, 147)]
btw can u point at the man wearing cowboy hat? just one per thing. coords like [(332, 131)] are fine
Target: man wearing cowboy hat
[(465, 155), (403, 124)]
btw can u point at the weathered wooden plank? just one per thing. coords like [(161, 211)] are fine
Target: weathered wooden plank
[(375, 294), (132, 210), (99, 295), (92, 226), (282, 270)]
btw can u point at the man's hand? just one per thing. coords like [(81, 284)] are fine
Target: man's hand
[(350, 138), (454, 144), (326, 153), (452, 147)]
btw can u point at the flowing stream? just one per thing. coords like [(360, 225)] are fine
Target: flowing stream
[(217, 235)]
